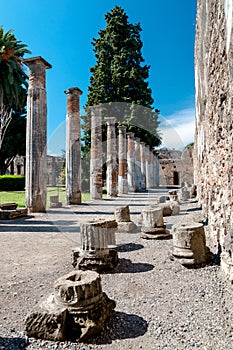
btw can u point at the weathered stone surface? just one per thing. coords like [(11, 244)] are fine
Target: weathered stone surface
[(36, 140), (126, 227), (131, 162), (214, 134), (122, 214), (98, 246), (175, 207), (152, 217), (189, 244), (167, 210), (13, 214), (96, 153), (73, 147), (54, 202), (8, 206), (152, 224), (111, 162), (163, 199), (122, 161), (76, 310)]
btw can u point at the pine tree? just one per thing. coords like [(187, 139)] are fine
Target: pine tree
[(119, 76)]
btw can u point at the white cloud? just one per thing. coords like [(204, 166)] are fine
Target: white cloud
[(177, 129)]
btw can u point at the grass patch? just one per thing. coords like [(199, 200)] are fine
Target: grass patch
[(19, 196)]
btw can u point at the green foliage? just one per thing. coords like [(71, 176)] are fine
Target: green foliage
[(120, 76), (12, 183), (13, 79), (191, 144), (14, 142)]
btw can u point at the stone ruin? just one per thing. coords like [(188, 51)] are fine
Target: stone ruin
[(98, 249), (153, 225), (189, 245), (77, 309), (10, 211), (54, 202), (213, 162), (124, 224)]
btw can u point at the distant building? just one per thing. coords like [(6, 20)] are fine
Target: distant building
[(175, 167)]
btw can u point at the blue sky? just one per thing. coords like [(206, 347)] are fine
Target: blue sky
[(61, 31)]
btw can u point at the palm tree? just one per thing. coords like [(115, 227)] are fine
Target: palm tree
[(13, 79)]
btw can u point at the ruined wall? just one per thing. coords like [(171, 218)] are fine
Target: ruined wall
[(214, 114), (175, 167)]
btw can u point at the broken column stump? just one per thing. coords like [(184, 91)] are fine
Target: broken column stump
[(54, 202), (77, 309), (170, 207), (173, 195), (189, 245), (153, 225), (98, 246), (124, 224)]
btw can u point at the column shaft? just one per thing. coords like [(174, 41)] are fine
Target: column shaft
[(122, 156), (131, 162), (36, 139), (96, 153), (111, 180), (73, 147)]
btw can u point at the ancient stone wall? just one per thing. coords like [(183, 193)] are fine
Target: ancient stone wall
[(214, 133)]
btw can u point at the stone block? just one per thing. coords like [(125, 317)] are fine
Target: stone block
[(122, 214), (76, 310), (126, 227), (189, 244)]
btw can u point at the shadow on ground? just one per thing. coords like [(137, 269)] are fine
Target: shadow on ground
[(121, 326), (13, 343), (129, 247), (126, 266)]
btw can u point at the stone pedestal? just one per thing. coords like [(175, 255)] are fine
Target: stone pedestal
[(96, 153), (98, 246), (54, 202), (111, 175), (189, 244), (122, 166), (73, 147), (36, 135), (131, 162), (153, 225), (76, 310), (124, 224)]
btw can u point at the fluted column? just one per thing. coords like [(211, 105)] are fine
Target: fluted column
[(111, 178), (73, 147), (131, 162), (96, 153), (36, 138), (122, 156), (149, 168), (138, 181), (143, 165)]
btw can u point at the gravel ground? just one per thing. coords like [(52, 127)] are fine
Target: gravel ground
[(160, 304)]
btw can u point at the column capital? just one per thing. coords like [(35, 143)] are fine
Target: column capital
[(130, 135), (110, 120), (36, 60), (122, 128), (74, 90)]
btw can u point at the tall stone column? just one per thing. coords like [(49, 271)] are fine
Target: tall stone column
[(111, 178), (96, 153), (36, 139), (122, 155), (138, 181), (149, 168), (156, 171), (73, 147), (131, 162), (143, 165)]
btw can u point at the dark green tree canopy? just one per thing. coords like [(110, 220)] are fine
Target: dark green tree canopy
[(120, 76), (13, 79)]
